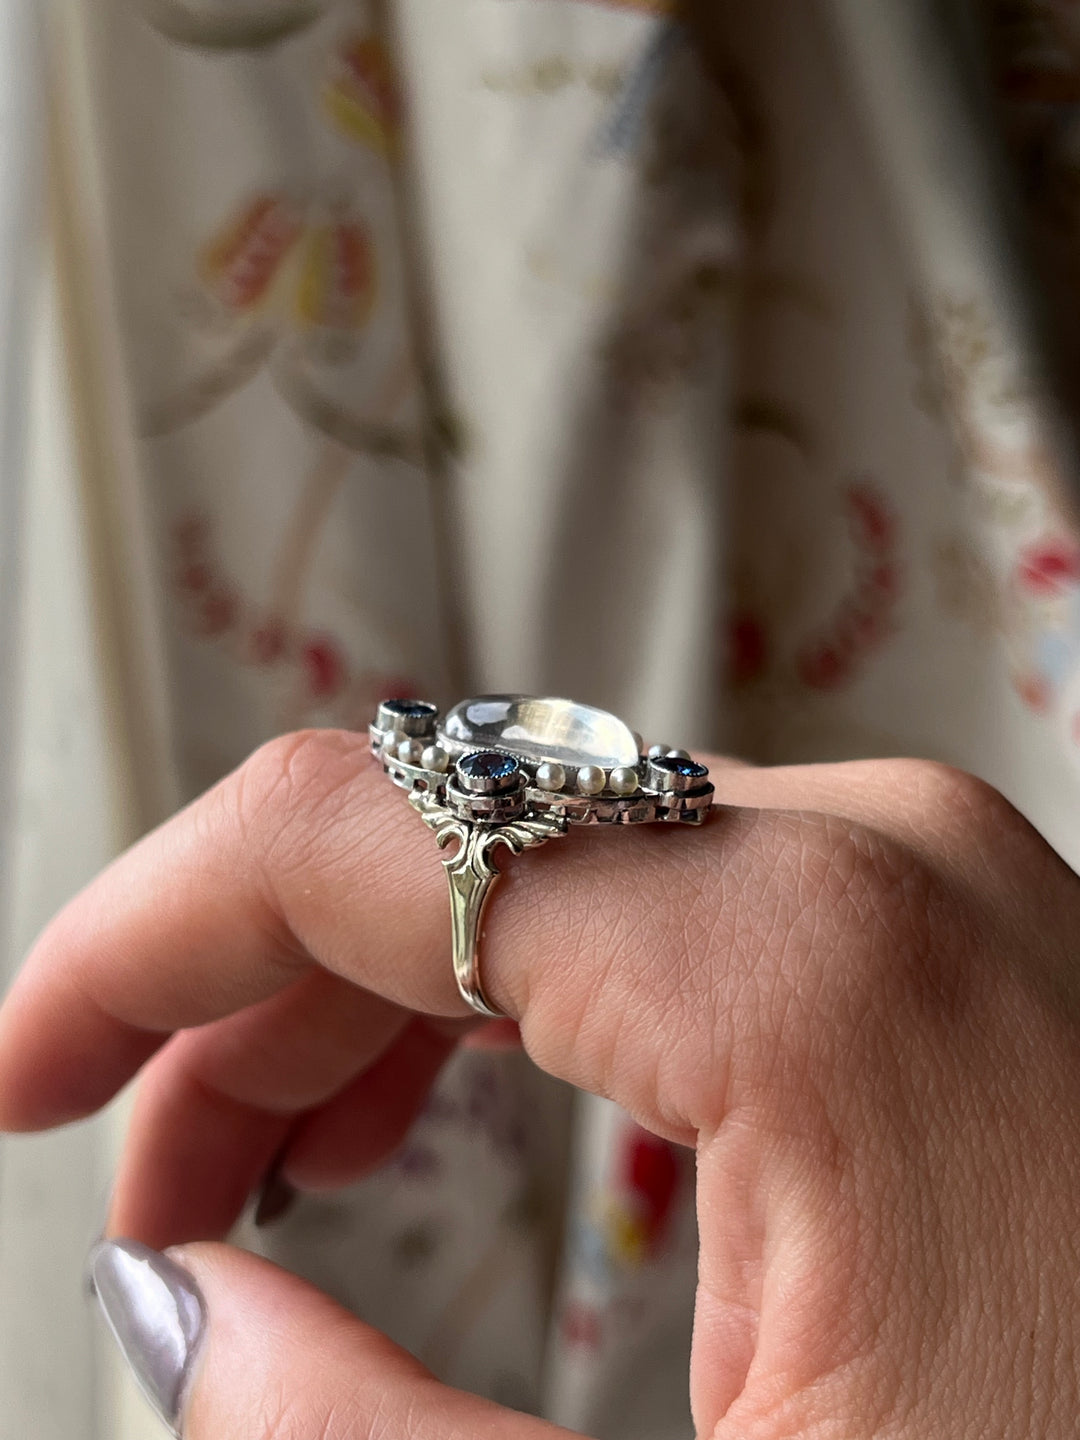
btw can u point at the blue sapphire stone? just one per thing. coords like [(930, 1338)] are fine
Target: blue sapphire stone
[(410, 709), (488, 765), (686, 769)]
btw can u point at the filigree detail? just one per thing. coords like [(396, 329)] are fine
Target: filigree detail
[(471, 872)]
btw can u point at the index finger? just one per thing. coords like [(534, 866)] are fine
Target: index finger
[(225, 905)]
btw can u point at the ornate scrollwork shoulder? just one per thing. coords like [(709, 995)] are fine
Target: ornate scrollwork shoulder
[(437, 817), (471, 872)]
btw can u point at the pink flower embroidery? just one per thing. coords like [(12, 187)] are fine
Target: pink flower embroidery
[(864, 618), (1049, 567), (651, 1174), (332, 284), (361, 94), (1034, 692), (324, 666), (823, 666), (873, 523), (215, 610), (240, 263)]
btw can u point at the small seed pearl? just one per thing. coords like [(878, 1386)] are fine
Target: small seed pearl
[(591, 780), (678, 755), (638, 741), (624, 781), (657, 752), (550, 776), (435, 758), (409, 752)]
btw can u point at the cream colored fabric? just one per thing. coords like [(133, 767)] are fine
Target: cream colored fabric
[(687, 365)]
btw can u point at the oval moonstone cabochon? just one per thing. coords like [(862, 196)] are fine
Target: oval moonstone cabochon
[(560, 731)]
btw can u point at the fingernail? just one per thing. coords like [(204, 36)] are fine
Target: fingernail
[(99, 1239), (276, 1198), (157, 1317)]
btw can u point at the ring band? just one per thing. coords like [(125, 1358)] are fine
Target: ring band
[(514, 771)]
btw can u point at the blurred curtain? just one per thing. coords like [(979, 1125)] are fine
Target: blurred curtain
[(691, 361)]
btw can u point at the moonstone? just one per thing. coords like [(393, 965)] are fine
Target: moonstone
[(556, 732)]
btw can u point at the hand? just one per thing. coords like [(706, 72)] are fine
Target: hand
[(854, 995)]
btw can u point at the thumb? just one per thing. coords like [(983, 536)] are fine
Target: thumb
[(226, 1344)]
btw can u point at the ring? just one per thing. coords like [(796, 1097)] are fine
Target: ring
[(514, 771)]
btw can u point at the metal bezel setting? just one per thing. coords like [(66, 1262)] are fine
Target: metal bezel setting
[(656, 799), (526, 802)]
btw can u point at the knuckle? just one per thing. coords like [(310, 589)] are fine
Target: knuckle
[(879, 914), (294, 784), (851, 873), (956, 800), (978, 836)]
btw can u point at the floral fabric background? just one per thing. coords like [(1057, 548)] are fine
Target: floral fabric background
[(688, 362)]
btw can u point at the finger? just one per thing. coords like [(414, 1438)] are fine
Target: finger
[(306, 851), (363, 1125), (964, 825), (87, 974), (217, 1104), (667, 967), (624, 954), (225, 1344), (862, 790)]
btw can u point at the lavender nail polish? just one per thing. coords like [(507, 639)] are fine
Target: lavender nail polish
[(157, 1317)]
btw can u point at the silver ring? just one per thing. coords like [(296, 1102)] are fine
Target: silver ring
[(513, 771)]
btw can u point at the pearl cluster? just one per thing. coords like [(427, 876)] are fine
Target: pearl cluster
[(407, 728), (551, 777), (412, 752), (591, 779)]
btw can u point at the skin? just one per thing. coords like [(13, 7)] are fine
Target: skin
[(853, 992)]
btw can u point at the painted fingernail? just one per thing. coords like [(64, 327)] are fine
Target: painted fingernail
[(99, 1239), (157, 1318)]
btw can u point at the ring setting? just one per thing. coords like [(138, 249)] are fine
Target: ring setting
[(513, 771)]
